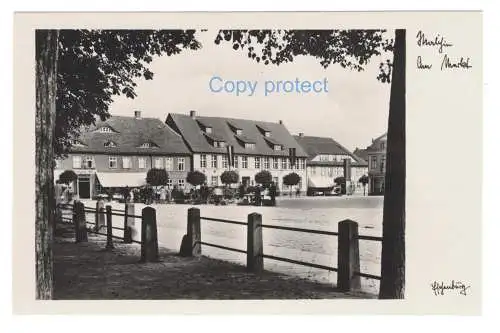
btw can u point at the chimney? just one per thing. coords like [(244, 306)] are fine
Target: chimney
[(192, 114), (281, 122), (137, 114), (301, 134)]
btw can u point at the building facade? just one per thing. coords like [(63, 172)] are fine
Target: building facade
[(256, 145), (376, 154), (119, 152), (326, 162)]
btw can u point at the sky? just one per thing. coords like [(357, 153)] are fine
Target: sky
[(353, 111)]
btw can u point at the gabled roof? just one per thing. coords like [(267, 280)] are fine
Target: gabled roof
[(131, 134), (315, 145), (197, 142), (361, 153)]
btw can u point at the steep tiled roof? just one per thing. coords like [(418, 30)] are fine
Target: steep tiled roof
[(221, 127), (130, 133), (315, 145)]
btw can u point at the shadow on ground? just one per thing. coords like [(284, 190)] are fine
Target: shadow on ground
[(88, 271)]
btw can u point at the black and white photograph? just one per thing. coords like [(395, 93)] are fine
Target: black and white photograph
[(237, 196), (263, 164)]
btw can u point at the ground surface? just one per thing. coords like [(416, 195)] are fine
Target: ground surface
[(88, 271)]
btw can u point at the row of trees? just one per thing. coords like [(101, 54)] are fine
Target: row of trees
[(159, 177)]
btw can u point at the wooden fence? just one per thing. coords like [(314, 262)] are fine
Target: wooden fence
[(348, 260)]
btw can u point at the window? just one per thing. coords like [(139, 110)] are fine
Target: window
[(313, 170), (169, 163), (277, 147), (323, 171), (214, 181), (239, 132), (224, 161), (275, 163), (267, 134), (142, 163), (180, 182), (283, 163), (382, 163), (250, 145), (214, 161), (77, 162), (169, 183), (126, 162), (382, 145), (374, 162), (203, 161), (109, 144), (208, 130), (257, 163), (89, 162), (158, 163), (266, 162), (113, 162), (220, 144), (244, 162), (236, 160), (302, 163), (330, 172), (181, 165)]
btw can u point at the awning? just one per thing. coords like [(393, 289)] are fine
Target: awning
[(320, 182), (121, 179)]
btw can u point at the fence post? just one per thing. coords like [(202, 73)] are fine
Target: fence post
[(80, 224), (128, 223), (149, 235), (191, 242), (109, 228), (99, 215), (348, 256), (255, 261)]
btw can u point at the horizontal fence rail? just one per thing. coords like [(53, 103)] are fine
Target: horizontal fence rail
[(223, 247), (223, 221), (309, 231), (302, 263)]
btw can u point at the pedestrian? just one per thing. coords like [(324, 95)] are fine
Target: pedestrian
[(272, 194), (163, 195)]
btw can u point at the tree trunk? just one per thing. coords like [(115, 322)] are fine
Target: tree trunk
[(393, 244), (46, 76)]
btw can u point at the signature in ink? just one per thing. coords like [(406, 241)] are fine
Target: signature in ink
[(439, 288), (438, 41)]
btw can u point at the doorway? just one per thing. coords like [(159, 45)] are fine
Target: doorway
[(84, 187)]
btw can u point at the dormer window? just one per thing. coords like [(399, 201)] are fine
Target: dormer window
[(267, 134), (77, 143), (239, 131), (208, 130), (249, 145), (148, 145), (219, 144), (278, 147), (109, 144), (105, 129)]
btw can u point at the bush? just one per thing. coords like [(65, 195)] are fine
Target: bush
[(67, 177), (264, 177), (229, 177), (157, 177), (196, 178), (291, 179)]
